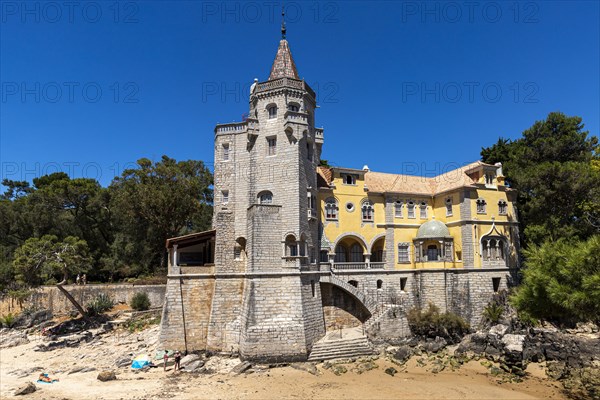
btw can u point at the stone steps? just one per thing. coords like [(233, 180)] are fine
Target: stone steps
[(341, 348)]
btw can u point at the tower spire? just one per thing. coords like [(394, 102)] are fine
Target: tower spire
[(284, 65), (283, 30)]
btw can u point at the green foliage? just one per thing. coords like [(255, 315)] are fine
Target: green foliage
[(8, 321), (553, 166), (40, 260), (493, 312), (561, 281), (101, 303), (136, 325), (124, 226), (156, 201), (140, 301), (431, 323)]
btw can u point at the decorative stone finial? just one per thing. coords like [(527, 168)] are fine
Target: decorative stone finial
[(283, 30)]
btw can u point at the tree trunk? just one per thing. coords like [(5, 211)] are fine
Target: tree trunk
[(71, 298)]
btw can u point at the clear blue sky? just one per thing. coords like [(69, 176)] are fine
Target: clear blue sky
[(403, 86)]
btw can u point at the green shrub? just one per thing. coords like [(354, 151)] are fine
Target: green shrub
[(430, 323), (8, 321), (493, 312), (141, 324), (140, 301), (100, 304)]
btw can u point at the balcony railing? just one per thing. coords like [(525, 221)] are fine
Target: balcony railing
[(343, 266), (349, 265)]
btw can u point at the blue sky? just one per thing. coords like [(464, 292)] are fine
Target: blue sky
[(403, 86)]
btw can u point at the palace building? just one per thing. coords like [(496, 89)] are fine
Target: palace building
[(298, 248)]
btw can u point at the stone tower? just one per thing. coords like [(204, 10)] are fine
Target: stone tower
[(267, 300)]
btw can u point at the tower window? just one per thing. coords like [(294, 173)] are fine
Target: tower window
[(225, 151), (265, 197), (309, 151), (293, 107), (272, 112), (481, 206), (502, 207), (271, 146), (225, 196), (448, 207), (291, 247)]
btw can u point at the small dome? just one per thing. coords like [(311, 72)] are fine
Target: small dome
[(433, 229)]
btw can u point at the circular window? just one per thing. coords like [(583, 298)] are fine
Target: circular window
[(349, 207)]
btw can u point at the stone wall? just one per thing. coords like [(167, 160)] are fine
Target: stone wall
[(184, 326), (273, 326), (49, 297)]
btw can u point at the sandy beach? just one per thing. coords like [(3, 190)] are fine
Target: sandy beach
[(21, 364)]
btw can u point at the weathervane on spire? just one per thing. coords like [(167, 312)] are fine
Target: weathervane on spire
[(282, 22)]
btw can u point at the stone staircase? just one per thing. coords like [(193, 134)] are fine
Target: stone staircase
[(351, 344)]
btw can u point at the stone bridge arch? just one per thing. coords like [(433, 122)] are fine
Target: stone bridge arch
[(344, 305)]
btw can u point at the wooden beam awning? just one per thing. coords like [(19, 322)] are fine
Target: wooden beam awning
[(191, 239)]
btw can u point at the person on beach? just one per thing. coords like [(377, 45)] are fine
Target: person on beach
[(165, 360), (177, 360)]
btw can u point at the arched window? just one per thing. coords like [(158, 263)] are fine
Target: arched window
[(410, 207), (367, 211), (302, 245), (239, 250), (340, 254), (272, 110), (293, 107), (502, 207), (349, 179), (398, 209), (423, 210), (448, 207), (265, 197), (379, 284), (291, 247), (492, 248), (481, 206), (356, 253), (331, 209)]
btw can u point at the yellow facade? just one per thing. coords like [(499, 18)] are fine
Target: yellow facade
[(472, 235)]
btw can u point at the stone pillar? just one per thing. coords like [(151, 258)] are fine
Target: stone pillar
[(466, 230)]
